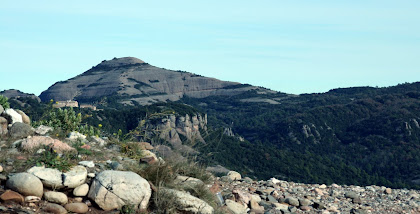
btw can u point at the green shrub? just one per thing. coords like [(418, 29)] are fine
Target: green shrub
[(4, 102), (131, 150), (50, 158)]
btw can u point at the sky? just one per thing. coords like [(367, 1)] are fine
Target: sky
[(304, 46)]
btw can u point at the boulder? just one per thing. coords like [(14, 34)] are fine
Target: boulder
[(25, 118), (186, 203), (1, 109), (54, 208), (77, 207), (232, 175), (26, 184), (20, 130), (56, 197), (43, 130), (3, 126), (114, 189), (236, 208), (12, 116), (35, 142), (53, 178), (81, 190)]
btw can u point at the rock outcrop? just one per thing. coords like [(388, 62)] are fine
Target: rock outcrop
[(137, 82)]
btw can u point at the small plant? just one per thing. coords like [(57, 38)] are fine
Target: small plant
[(163, 202), (131, 150), (128, 209), (78, 145), (4, 102), (50, 158)]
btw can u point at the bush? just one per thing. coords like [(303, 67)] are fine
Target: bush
[(4, 102), (50, 158)]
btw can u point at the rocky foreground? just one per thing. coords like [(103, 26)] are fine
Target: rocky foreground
[(105, 181)]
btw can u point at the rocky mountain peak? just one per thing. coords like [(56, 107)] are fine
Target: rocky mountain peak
[(123, 61)]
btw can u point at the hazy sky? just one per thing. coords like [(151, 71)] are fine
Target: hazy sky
[(290, 46)]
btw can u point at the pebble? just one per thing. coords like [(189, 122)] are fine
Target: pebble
[(54, 208)]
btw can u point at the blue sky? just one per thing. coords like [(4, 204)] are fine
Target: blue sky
[(290, 46)]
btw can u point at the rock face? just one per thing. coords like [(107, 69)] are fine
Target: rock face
[(188, 203), (20, 130), (53, 178), (26, 184), (142, 83), (114, 189)]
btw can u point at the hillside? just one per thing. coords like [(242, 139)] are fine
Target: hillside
[(132, 81)]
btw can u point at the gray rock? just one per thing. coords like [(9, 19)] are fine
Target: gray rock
[(271, 199), (236, 208), (232, 175), (116, 166), (56, 197), (186, 181), (75, 136), (187, 203), (54, 208), (1, 109), (43, 130), (20, 130), (351, 194), (292, 201), (304, 202), (319, 205), (99, 141), (55, 179), (81, 190), (26, 184), (89, 164), (114, 189)]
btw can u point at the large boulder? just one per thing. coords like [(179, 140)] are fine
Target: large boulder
[(25, 118), (55, 179), (26, 184), (114, 189), (3, 126), (186, 203), (20, 130), (34, 142), (12, 116)]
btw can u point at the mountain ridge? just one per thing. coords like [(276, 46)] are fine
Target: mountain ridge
[(135, 82)]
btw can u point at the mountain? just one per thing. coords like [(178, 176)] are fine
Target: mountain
[(358, 135), (13, 93), (132, 81)]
